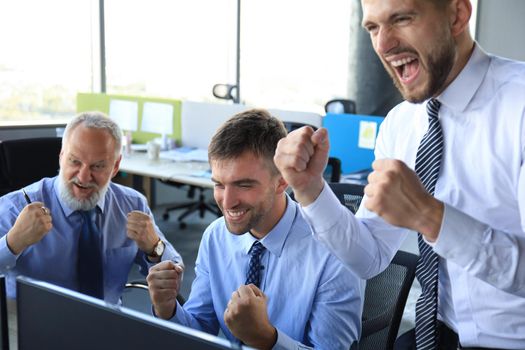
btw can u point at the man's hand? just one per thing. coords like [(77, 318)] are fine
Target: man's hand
[(247, 318), (301, 158), (397, 195), (31, 225), (164, 281), (141, 230)]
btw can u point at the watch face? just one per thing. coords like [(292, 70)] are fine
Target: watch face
[(159, 248)]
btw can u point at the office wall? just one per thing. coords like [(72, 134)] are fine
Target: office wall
[(501, 27)]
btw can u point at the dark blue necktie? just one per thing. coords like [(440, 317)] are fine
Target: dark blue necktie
[(428, 162), (89, 265), (254, 270)]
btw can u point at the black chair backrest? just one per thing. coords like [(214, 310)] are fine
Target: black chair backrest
[(332, 173), (385, 298), (386, 293), (348, 194), (28, 160), (4, 329)]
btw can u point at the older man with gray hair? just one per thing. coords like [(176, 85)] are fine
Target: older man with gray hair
[(79, 230)]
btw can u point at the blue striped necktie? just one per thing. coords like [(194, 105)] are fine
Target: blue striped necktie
[(428, 161), (89, 264), (254, 270)]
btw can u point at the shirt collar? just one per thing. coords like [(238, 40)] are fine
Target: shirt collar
[(274, 240), (460, 92), (65, 208)]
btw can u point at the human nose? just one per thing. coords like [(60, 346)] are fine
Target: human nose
[(84, 174), (385, 40), (229, 198)]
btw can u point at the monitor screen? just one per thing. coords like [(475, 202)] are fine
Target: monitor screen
[(51, 317), (4, 330)]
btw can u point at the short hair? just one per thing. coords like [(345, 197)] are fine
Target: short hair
[(95, 120), (254, 130)]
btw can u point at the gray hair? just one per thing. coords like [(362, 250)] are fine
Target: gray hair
[(95, 120)]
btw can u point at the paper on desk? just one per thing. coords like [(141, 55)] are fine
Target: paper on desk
[(184, 154)]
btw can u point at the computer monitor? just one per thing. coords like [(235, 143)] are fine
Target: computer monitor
[(52, 317), (4, 330)]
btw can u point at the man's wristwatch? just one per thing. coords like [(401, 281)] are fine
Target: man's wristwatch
[(158, 250)]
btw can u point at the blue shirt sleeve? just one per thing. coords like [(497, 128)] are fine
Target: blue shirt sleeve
[(199, 311), (9, 211)]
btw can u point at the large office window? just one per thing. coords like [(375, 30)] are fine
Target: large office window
[(294, 54), (46, 58), (176, 49)]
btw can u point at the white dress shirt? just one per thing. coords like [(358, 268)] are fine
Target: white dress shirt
[(481, 182)]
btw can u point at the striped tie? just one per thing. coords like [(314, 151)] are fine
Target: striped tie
[(428, 161), (254, 270)]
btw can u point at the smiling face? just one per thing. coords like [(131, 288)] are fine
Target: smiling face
[(249, 194), (414, 41), (88, 161)]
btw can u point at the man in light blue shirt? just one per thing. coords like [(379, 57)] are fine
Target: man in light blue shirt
[(301, 295), (40, 228)]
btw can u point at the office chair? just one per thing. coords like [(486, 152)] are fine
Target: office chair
[(350, 195), (28, 160), (4, 328), (200, 205), (4, 180), (136, 296), (332, 172), (340, 106), (385, 294)]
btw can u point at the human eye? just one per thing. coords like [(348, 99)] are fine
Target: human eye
[(246, 184), (98, 167), (73, 161), (402, 19)]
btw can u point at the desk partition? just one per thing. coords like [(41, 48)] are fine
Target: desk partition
[(101, 102), (200, 120)]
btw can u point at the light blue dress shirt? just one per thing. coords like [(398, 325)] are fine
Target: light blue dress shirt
[(313, 301), (53, 259), (482, 184)]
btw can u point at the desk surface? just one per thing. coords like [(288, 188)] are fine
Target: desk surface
[(164, 169)]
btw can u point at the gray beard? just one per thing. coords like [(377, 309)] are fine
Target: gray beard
[(67, 196)]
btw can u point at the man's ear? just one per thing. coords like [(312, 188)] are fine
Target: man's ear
[(282, 185), (460, 12), (116, 167)]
